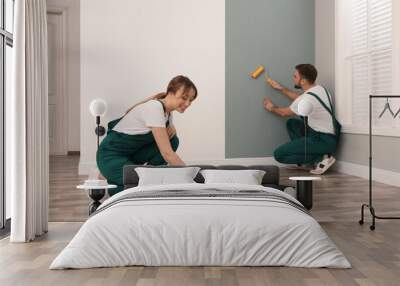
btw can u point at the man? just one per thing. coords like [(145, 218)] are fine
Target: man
[(322, 129)]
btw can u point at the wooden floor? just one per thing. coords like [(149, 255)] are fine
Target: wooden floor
[(67, 203), (375, 256)]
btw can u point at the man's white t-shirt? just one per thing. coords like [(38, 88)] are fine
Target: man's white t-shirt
[(144, 116), (320, 119)]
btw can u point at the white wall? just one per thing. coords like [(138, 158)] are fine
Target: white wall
[(131, 49), (72, 8)]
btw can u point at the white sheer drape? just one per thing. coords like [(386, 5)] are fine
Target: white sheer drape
[(28, 123)]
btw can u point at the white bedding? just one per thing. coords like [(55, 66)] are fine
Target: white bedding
[(200, 231)]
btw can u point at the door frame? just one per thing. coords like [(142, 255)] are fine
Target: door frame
[(62, 78)]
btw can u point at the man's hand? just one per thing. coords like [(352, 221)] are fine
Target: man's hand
[(268, 105), (276, 85), (171, 131), (273, 84), (281, 111)]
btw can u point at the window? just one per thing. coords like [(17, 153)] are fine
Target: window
[(367, 62), (6, 44)]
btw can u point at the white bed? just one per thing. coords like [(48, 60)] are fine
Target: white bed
[(184, 230)]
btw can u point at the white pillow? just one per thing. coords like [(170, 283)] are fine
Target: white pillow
[(163, 176), (248, 177)]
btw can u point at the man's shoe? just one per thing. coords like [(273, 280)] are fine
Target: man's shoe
[(323, 166)]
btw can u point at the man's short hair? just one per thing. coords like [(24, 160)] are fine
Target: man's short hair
[(308, 72)]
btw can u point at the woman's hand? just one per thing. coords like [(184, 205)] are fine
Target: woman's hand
[(164, 145), (171, 131), (274, 84)]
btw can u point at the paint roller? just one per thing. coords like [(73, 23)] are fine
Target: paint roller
[(257, 72)]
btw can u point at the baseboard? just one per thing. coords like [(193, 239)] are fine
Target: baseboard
[(86, 167), (236, 161), (378, 175)]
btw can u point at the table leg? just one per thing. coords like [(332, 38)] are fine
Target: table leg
[(96, 195), (305, 193)]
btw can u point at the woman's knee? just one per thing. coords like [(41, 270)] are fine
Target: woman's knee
[(111, 168)]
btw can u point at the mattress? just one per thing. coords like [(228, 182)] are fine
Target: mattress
[(201, 225)]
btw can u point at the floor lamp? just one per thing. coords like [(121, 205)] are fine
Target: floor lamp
[(98, 108)]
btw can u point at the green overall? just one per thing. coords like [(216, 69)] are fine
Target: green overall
[(119, 149), (318, 143)]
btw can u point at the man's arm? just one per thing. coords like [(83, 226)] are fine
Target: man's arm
[(281, 111), (289, 93)]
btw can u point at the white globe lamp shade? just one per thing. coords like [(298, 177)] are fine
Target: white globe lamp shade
[(98, 107), (305, 107)]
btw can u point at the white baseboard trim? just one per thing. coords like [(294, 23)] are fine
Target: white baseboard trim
[(378, 175), (86, 167), (237, 161)]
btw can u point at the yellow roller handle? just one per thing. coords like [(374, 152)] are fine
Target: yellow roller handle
[(257, 72)]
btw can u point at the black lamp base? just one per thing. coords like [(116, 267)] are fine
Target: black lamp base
[(96, 195), (100, 130)]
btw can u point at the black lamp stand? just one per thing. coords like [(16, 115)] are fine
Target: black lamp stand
[(100, 130), (97, 194)]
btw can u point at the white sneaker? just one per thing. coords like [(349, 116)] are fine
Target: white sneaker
[(323, 166)]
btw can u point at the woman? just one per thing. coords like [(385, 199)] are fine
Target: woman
[(145, 134)]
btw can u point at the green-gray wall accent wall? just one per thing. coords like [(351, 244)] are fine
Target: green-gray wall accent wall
[(278, 35)]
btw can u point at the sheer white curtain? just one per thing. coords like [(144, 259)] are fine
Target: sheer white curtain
[(28, 123)]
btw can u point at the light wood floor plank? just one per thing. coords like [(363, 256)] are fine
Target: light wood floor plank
[(375, 256)]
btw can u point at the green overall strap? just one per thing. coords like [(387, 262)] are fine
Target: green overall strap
[(114, 122), (330, 101), (169, 114), (323, 103), (336, 124)]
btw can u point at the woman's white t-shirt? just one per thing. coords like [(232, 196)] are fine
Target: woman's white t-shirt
[(144, 116)]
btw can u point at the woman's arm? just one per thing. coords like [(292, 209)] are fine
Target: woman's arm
[(171, 131), (164, 145)]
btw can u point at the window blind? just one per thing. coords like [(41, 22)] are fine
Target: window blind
[(371, 59)]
